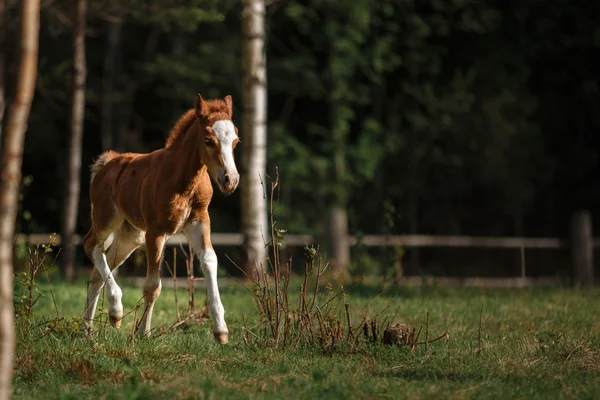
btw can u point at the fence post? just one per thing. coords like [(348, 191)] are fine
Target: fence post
[(582, 248), (338, 244)]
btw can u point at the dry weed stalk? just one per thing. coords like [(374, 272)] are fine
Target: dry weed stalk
[(319, 317), (189, 263), (173, 273), (284, 323), (479, 335), (191, 315), (427, 333)]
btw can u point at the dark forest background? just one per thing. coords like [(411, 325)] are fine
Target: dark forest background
[(457, 117)]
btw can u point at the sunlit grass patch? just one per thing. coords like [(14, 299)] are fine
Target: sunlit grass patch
[(534, 343)]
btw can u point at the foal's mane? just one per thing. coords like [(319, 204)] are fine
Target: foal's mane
[(218, 111)]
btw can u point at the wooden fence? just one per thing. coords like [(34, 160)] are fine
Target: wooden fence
[(581, 243)]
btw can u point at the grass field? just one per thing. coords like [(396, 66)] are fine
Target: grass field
[(535, 343)]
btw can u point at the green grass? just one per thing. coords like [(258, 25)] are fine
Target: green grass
[(536, 343)]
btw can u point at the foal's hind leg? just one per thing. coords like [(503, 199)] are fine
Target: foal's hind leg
[(94, 287), (124, 242), (94, 244), (126, 239), (95, 284)]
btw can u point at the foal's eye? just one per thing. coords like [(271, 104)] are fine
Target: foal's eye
[(208, 142)]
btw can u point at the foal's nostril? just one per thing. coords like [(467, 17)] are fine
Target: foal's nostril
[(226, 180)]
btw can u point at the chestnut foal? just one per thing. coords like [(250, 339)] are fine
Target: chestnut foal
[(145, 198)]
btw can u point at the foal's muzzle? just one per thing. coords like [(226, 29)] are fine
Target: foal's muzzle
[(228, 182)]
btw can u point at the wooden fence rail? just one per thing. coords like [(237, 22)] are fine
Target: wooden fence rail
[(581, 243), (236, 239)]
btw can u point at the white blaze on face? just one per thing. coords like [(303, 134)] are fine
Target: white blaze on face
[(225, 132)]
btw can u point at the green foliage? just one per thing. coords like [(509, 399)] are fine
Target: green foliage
[(25, 184), (385, 82), (436, 101), (470, 117), (165, 14), (25, 287)]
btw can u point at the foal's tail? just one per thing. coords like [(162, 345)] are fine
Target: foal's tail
[(101, 162)]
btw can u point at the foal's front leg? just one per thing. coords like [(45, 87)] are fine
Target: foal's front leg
[(198, 233), (152, 285)]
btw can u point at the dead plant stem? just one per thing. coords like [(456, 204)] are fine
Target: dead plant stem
[(427, 333)]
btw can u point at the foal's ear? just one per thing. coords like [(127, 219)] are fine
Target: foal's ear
[(202, 109), (229, 103)]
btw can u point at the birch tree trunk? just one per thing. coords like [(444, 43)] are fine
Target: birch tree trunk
[(2, 39), (12, 158), (254, 138), (73, 183)]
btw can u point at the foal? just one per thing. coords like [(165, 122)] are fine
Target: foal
[(139, 198)]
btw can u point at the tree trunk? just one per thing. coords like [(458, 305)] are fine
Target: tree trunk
[(113, 38), (339, 245), (517, 214), (73, 183), (582, 249), (414, 185), (12, 158), (2, 39), (254, 138)]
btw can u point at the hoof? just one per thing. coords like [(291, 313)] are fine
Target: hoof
[(115, 315), (115, 321), (222, 337)]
